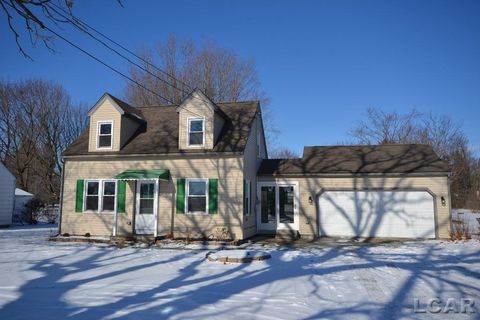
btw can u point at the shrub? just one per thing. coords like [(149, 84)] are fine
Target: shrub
[(460, 230), (66, 234), (87, 235)]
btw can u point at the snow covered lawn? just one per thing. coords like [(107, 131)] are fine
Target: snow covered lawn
[(47, 280)]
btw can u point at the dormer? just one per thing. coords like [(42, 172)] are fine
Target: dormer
[(112, 124), (200, 122)]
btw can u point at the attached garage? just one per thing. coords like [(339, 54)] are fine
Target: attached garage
[(387, 191), (377, 213)]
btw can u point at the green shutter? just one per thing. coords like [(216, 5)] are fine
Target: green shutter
[(79, 196), (180, 195), (212, 196), (121, 189)]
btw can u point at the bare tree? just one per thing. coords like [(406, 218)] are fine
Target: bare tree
[(38, 122), (284, 153), (439, 131), (182, 66), (37, 17), (382, 127)]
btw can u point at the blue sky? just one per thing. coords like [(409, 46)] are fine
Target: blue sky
[(321, 63)]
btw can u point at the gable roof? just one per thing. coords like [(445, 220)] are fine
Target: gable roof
[(380, 159), (121, 106), (159, 133)]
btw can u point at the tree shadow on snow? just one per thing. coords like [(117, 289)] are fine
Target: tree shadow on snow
[(92, 282)]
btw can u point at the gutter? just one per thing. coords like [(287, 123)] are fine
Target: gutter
[(349, 175), (93, 156)]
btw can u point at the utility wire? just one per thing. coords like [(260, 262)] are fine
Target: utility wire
[(107, 65), (86, 25), (81, 28)]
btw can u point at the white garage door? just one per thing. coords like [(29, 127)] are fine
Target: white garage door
[(403, 214)]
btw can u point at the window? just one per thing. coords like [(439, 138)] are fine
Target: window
[(196, 131), (91, 198), (247, 197), (147, 197), (104, 136), (100, 195), (197, 196), (108, 200)]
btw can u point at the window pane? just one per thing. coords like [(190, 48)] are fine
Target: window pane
[(109, 188), (196, 138), (286, 198), (196, 125), (108, 203), (106, 128), (92, 188), (147, 190), (105, 141), (197, 188), (146, 206), (268, 205), (197, 204), (91, 203)]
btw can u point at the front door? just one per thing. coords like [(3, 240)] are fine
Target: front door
[(278, 206), (146, 207)]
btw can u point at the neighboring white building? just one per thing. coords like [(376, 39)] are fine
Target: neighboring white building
[(7, 196), (21, 199)]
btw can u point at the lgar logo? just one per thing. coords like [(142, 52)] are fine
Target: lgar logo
[(451, 305)]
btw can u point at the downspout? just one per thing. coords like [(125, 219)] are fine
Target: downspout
[(114, 231), (60, 208)]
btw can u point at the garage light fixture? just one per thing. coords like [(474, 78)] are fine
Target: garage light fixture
[(444, 202), (310, 200)]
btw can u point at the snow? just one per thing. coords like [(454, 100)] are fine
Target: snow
[(472, 218), (57, 280), (239, 255)]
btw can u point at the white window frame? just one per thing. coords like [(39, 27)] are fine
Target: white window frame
[(187, 195), (99, 123), (189, 120), (248, 195), (100, 196), (114, 196)]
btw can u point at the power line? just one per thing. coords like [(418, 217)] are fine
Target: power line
[(120, 54), (84, 24), (107, 65), (98, 60)]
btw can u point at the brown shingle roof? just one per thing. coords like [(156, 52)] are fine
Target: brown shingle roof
[(128, 109), (159, 133), (400, 158)]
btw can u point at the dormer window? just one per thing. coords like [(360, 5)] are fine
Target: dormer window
[(105, 135), (196, 132)]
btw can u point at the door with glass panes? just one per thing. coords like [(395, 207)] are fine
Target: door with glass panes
[(277, 206), (146, 206)]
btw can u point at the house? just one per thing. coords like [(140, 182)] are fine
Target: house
[(201, 170), (21, 199), (7, 194)]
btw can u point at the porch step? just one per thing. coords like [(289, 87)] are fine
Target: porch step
[(287, 235)]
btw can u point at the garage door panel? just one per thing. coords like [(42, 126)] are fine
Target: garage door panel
[(406, 214)]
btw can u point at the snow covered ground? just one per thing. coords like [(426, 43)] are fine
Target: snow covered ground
[(48, 280)]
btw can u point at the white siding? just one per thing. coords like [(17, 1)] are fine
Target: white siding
[(7, 195)]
